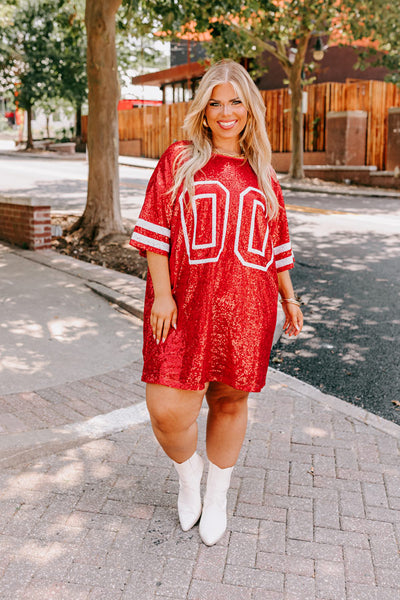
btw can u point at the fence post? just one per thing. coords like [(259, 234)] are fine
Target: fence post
[(393, 139), (346, 136)]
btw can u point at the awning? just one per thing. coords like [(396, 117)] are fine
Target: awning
[(185, 72)]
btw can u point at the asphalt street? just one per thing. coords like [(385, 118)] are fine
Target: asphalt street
[(347, 273)]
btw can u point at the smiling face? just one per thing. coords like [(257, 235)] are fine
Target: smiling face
[(226, 116)]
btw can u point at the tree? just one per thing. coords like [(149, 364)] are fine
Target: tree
[(43, 49), (71, 48), (102, 214), (283, 28), (383, 33), (27, 58)]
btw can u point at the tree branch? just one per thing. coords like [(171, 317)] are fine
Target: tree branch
[(279, 54), (112, 7)]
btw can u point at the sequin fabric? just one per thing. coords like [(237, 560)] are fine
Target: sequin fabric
[(224, 255)]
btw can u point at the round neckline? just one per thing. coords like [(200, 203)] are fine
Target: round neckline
[(240, 156)]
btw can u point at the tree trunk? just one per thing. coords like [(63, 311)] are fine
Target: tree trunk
[(102, 214), (78, 122), (29, 141), (48, 117), (296, 166), (294, 75)]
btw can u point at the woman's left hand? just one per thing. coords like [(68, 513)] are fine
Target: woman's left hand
[(294, 319)]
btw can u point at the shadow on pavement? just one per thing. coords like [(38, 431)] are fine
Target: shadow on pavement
[(350, 286)]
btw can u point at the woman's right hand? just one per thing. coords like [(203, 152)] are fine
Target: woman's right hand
[(163, 316)]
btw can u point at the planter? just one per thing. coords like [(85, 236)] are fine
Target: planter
[(63, 147)]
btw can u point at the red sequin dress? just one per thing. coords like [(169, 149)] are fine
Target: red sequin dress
[(224, 255)]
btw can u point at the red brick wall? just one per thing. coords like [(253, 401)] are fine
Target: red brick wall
[(26, 226), (281, 160)]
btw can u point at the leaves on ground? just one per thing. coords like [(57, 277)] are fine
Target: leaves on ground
[(112, 252)]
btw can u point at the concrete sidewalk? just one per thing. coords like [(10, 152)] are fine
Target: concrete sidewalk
[(88, 499)]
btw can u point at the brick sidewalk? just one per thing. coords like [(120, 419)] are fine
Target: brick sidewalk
[(314, 513), (72, 402)]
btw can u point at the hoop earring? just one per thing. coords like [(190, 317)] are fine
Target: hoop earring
[(205, 124)]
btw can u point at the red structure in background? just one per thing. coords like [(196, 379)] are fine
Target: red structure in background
[(128, 104), (179, 78)]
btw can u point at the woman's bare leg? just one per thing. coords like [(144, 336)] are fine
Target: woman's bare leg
[(226, 423), (226, 428), (173, 415)]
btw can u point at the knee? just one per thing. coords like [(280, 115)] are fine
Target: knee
[(229, 405), (172, 411), (165, 420), (172, 417)]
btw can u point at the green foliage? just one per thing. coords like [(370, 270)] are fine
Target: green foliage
[(285, 29), (383, 33), (43, 52), (137, 53), (246, 29), (70, 46), (64, 134), (241, 29), (140, 17), (26, 58), (7, 8), (136, 23)]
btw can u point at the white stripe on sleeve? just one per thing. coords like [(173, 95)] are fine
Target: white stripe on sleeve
[(282, 248), (284, 261), (153, 227), (148, 241)]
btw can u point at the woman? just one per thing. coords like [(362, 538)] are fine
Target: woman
[(214, 228)]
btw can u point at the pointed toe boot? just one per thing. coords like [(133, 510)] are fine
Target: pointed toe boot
[(213, 519), (189, 500)]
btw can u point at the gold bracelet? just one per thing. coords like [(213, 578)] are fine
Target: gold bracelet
[(290, 301)]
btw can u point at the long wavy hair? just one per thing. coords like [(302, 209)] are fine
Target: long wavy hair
[(254, 141)]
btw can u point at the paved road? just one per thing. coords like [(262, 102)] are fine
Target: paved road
[(347, 273), (64, 182)]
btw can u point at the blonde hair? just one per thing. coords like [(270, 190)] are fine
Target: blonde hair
[(254, 140)]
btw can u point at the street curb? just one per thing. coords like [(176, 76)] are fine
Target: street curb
[(131, 305), (146, 164), (78, 156), (350, 410), (369, 192)]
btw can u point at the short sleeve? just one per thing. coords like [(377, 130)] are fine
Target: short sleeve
[(282, 246), (152, 231)]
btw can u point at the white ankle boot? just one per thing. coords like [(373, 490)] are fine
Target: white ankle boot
[(213, 520), (189, 499)]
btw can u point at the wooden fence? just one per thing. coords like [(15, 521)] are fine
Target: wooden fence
[(374, 97), (159, 126)]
